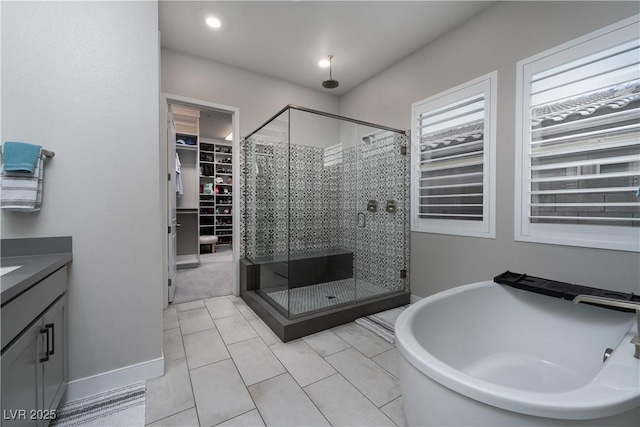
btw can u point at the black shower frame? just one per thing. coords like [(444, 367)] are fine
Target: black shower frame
[(322, 113)]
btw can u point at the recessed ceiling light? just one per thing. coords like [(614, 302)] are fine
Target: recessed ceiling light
[(213, 22), (324, 63)]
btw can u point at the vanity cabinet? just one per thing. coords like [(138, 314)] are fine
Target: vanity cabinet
[(21, 376), (34, 360), (54, 369)]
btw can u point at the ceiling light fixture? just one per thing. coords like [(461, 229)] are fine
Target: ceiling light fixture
[(324, 63), (213, 22), (331, 83)]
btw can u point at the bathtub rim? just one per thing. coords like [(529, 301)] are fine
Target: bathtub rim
[(600, 398)]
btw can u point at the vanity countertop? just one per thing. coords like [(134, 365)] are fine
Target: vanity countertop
[(34, 268), (38, 258)]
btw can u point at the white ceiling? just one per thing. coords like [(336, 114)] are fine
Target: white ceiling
[(286, 39), (215, 124)]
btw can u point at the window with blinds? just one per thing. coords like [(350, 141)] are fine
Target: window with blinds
[(580, 143), (333, 155), (453, 170)]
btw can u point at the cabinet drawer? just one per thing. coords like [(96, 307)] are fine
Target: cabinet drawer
[(23, 310)]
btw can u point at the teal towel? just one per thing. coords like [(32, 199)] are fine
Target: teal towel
[(20, 156)]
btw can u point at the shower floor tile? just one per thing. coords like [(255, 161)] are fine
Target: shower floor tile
[(323, 295)]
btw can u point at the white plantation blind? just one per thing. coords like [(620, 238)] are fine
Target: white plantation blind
[(452, 147), (581, 143), (333, 155)]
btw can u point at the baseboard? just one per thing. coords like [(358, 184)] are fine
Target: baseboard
[(414, 298), (113, 379)]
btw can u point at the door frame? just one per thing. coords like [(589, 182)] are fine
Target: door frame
[(165, 100)]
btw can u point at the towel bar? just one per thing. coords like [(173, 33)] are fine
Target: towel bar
[(48, 154)]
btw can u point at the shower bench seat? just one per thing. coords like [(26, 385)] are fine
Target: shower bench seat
[(303, 269)]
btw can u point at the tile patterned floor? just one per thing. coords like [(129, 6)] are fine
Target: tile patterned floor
[(224, 366)]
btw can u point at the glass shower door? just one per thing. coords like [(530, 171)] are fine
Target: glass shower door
[(382, 208)]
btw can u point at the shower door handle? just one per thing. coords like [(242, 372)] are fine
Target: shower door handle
[(362, 222)]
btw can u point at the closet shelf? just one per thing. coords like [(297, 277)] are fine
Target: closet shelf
[(186, 127), (217, 164), (185, 133)]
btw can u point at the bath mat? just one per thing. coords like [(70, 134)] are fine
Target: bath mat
[(121, 407), (383, 323)]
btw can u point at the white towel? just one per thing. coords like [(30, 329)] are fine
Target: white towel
[(179, 189), (22, 191)]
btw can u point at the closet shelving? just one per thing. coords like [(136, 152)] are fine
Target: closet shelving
[(216, 185), (187, 124)]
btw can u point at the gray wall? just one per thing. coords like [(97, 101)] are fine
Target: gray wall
[(257, 96), (75, 85), (494, 40)]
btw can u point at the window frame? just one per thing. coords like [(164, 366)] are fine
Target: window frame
[(580, 235), (487, 85)]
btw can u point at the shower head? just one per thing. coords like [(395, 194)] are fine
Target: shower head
[(331, 83)]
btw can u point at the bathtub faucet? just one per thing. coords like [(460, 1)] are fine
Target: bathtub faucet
[(612, 302)]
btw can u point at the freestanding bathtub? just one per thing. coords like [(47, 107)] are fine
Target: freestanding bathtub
[(488, 354)]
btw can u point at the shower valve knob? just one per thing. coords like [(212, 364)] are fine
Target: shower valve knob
[(392, 206), (372, 206)]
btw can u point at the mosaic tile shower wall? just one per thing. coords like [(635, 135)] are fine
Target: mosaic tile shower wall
[(292, 202), (265, 199), (314, 192), (290, 198)]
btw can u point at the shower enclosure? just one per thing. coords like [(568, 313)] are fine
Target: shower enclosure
[(325, 220)]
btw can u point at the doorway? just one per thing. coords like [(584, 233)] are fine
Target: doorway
[(199, 166)]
